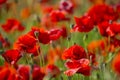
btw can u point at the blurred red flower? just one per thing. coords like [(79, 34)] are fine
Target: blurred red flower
[(40, 34), (12, 56), (26, 43), (57, 16), (102, 12), (83, 24), (52, 70), (109, 29), (8, 73), (2, 1), (24, 72), (44, 37), (75, 52), (12, 25), (37, 73), (102, 27), (78, 66), (55, 34)]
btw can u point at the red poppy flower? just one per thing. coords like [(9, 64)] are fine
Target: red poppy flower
[(34, 31), (26, 43), (2, 1), (78, 66), (55, 34), (115, 42), (75, 52), (66, 6), (102, 27), (57, 16), (83, 24), (12, 56), (4, 73), (37, 74), (102, 12), (107, 29), (8, 73), (41, 34), (116, 63), (115, 27), (44, 37), (12, 25), (24, 72), (52, 70)]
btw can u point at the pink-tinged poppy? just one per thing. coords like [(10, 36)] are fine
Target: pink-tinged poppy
[(102, 12), (2, 1), (75, 52), (83, 24), (66, 5), (4, 42), (116, 64), (26, 43), (12, 25), (37, 73), (79, 66), (52, 70), (24, 72), (12, 56), (109, 29), (57, 16)]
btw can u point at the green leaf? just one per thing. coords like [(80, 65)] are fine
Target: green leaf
[(2, 60)]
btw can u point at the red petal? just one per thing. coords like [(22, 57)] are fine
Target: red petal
[(12, 56)]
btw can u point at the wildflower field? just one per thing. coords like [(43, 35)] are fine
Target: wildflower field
[(59, 39)]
